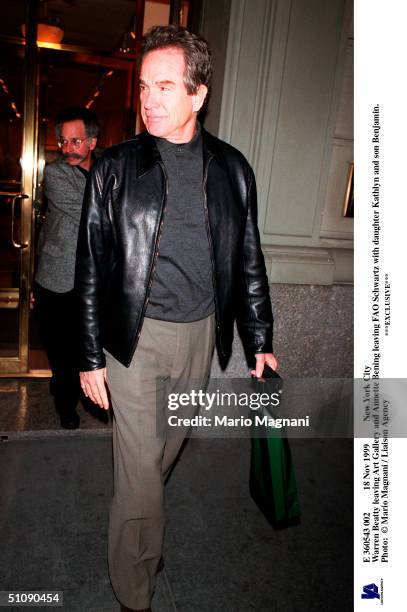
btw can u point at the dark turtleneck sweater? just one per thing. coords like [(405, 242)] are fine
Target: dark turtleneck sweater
[(182, 288)]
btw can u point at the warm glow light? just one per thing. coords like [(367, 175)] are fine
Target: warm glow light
[(47, 33), (27, 164), (13, 105), (22, 408)]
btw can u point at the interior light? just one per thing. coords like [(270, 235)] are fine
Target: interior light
[(47, 32)]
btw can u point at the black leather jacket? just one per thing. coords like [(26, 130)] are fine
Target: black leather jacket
[(123, 213)]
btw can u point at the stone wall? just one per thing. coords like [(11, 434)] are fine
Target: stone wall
[(313, 333)]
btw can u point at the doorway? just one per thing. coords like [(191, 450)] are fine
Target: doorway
[(55, 54)]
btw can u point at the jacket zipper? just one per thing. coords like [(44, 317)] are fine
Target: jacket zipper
[(152, 269), (208, 232)]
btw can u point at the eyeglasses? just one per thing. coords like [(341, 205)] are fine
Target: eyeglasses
[(75, 142)]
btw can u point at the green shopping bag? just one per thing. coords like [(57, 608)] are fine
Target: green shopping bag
[(272, 478), (272, 481)]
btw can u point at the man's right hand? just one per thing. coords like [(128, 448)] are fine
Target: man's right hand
[(93, 384)]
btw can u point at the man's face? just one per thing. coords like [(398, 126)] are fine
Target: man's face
[(168, 111), (72, 152)]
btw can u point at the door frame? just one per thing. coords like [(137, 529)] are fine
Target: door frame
[(12, 366), (32, 173)]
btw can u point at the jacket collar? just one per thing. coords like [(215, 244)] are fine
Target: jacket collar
[(148, 154), (208, 148)]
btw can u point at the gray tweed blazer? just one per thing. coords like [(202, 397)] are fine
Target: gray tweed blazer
[(64, 189)]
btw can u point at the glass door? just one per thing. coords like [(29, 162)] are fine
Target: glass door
[(54, 54), (17, 162), (94, 66)]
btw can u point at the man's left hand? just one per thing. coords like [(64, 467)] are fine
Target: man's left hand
[(261, 360)]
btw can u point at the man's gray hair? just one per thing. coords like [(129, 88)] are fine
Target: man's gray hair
[(83, 114), (198, 58)]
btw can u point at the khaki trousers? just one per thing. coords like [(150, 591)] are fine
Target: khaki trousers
[(180, 355)]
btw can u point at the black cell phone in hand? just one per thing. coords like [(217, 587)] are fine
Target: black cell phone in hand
[(270, 378), (268, 373)]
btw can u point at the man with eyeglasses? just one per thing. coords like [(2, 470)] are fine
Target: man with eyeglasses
[(77, 130)]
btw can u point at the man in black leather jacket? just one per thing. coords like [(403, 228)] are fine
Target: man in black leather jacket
[(168, 257)]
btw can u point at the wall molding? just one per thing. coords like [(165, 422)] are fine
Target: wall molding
[(283, 75), (231, 70), (309, 266)]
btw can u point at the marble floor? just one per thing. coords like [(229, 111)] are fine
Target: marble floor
[(26, 405)]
